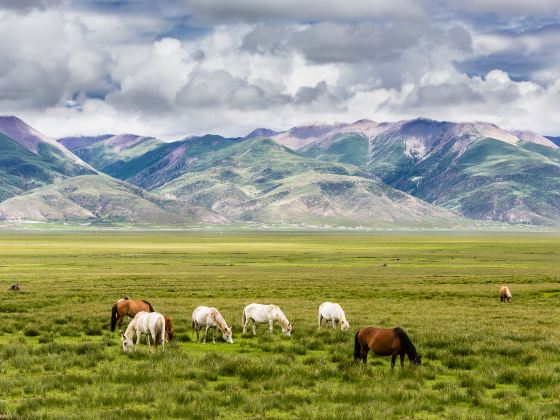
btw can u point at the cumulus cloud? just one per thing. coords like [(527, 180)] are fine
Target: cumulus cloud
[(169, 68)]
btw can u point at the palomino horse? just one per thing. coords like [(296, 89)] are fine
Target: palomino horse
[(385, 342), (127, 307), (505, 294), (203, 316), (332, 312), (149, 323), (263, 314), (168, 327)]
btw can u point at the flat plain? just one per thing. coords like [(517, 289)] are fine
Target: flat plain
[(481, 358)]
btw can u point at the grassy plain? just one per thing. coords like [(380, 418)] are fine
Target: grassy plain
[(481, 359)]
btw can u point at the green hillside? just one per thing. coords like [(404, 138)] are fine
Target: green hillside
[(98, 198), (22, 170)]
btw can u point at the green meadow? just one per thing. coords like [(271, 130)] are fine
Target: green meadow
[(481, 358)]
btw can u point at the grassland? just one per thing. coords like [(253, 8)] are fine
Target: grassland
[(481, 359)]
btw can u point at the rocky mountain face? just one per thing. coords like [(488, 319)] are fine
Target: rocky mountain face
[(415, 173)]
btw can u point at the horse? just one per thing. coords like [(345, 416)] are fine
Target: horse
[(168, 327), (127, 307), (333, 312), (15, 287), (505, 294), (385, 342), (204, 316), (149, 323), (262, 314)]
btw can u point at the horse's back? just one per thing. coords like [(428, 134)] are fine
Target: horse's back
[(259, 312), (330, 310), (201, 314), (381, 340)]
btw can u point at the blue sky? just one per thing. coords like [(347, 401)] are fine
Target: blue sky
[(172, 68)]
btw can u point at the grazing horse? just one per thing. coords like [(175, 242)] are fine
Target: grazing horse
[(385, 342), (203, 316), (332, 312), (168, 327), (149, 323), (127, 307), (505, 294), (263, 314)]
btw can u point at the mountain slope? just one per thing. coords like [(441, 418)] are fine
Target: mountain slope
[(73, 143), (99, 198), (29, 160), (260, 180), (109, 154), (477, 169)]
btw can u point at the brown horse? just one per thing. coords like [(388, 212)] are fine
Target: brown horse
[(505, 294), (168, 327), (127, 307), (385, 342)]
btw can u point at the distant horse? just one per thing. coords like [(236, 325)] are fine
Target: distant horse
[(149, 323), (15, 287), (203, 316), (262, 314), (505, 294), (127, 307), (332, 312), (169, 327), (385, 342)]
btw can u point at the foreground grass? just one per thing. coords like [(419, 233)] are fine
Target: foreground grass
[(480, 358)]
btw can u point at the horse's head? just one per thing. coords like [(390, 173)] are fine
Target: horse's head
[(288, 330), (126, 343), (169, 328), (344, 325), (417, 360), (228, 335)]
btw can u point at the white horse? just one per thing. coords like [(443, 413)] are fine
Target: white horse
[(203, 316), (262, 314), (149, 323), (329, 311)]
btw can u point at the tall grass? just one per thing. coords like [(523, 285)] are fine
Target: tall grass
[(481, 358)]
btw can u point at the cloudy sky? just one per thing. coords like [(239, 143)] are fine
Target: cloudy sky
[(170, 68)]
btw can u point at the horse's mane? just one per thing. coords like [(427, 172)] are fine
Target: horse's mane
[(149, 305), (281, 317), (406, 343), (219, 319)]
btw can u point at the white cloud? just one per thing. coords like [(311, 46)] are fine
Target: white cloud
[(79, 70)]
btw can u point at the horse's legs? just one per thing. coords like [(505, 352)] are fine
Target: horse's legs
[(364, 354), (119, 322), (320, 321), (271, 326), (254, 328), (334, 323), (393, 359), (214, 335), (148, 341), (206, 333), (197, 329), (138, 334), (402, 359)]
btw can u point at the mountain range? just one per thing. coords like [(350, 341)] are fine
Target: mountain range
[(414, 173)]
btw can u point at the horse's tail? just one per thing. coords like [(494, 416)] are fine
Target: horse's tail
[(405, 342), (149, 305), (244, 319), (114, 317), (357, 346)]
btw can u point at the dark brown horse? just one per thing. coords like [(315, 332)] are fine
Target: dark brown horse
[(385, 342), (127, 307), (168, 327)]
